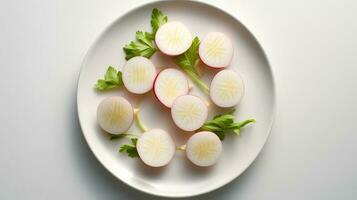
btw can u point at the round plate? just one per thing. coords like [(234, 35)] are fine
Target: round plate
[(180, 178)]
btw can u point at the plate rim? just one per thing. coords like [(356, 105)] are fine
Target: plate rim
[(201, 192)]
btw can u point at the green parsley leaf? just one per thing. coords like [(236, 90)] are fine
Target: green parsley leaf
[(223, 124), (143, 46), (188, 60), (134, 141), (119, 136), (157, 19), (145, 37), (112, 79), (130, 149), (188, 63), (144, 43)]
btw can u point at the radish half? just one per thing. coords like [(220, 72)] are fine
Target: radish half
[(216, 50), (156, 148), (138, 75), (169, 84), (115, 115), (227, 88), (173, 38), (189, 112), (203, 148)]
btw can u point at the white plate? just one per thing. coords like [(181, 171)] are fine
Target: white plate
[(180, 178)]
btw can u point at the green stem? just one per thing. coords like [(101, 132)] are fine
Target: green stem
[(114, 137), (140, 124), (198, 81), (181, 148), (130, 135), (243, 123)]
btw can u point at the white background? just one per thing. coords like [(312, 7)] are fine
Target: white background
[(312, 47)]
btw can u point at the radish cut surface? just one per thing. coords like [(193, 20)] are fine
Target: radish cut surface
[(169, 84), (156, 148), (203, 148), (227, 88), (189, 112), (173, 38), (216, 50), (115, 115), (138, 75)]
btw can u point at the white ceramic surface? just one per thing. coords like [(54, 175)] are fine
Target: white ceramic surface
[(180, 178)]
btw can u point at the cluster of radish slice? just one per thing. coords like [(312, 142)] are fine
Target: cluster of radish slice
[(171, 87)]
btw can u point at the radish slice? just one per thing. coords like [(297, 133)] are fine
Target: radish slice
[(216, 50), (138, 75), (227, 88), (203, 148), (173, 38), (189, 112), (156, 148), (115, 115), (169, 84)]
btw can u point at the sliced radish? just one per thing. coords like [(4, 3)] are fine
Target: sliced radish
[(227, 88), (189, 112), (115, 115), (156, 148), (169, 84), (138, 75), (173, 38), (203, 148), (216, 50)]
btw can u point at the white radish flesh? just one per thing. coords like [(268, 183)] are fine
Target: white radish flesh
[(138, 75), (156, 148), (203, 148), (189, 112), (173, 38), (216, 50), (227, 88), (115, 115), (169, 84)]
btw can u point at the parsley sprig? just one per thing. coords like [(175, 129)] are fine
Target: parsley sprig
[(130, 149), (188, 63), (144, 44), (112, 79), (157, 19), (130, 135), (225, 123)]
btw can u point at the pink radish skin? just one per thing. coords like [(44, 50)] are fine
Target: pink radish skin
[(173, 38), (194, 105), (222, 46), (185, 87), (226, 102), (138, 75), (110, 119), (215, 68), (148, 147), (203, 148)]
